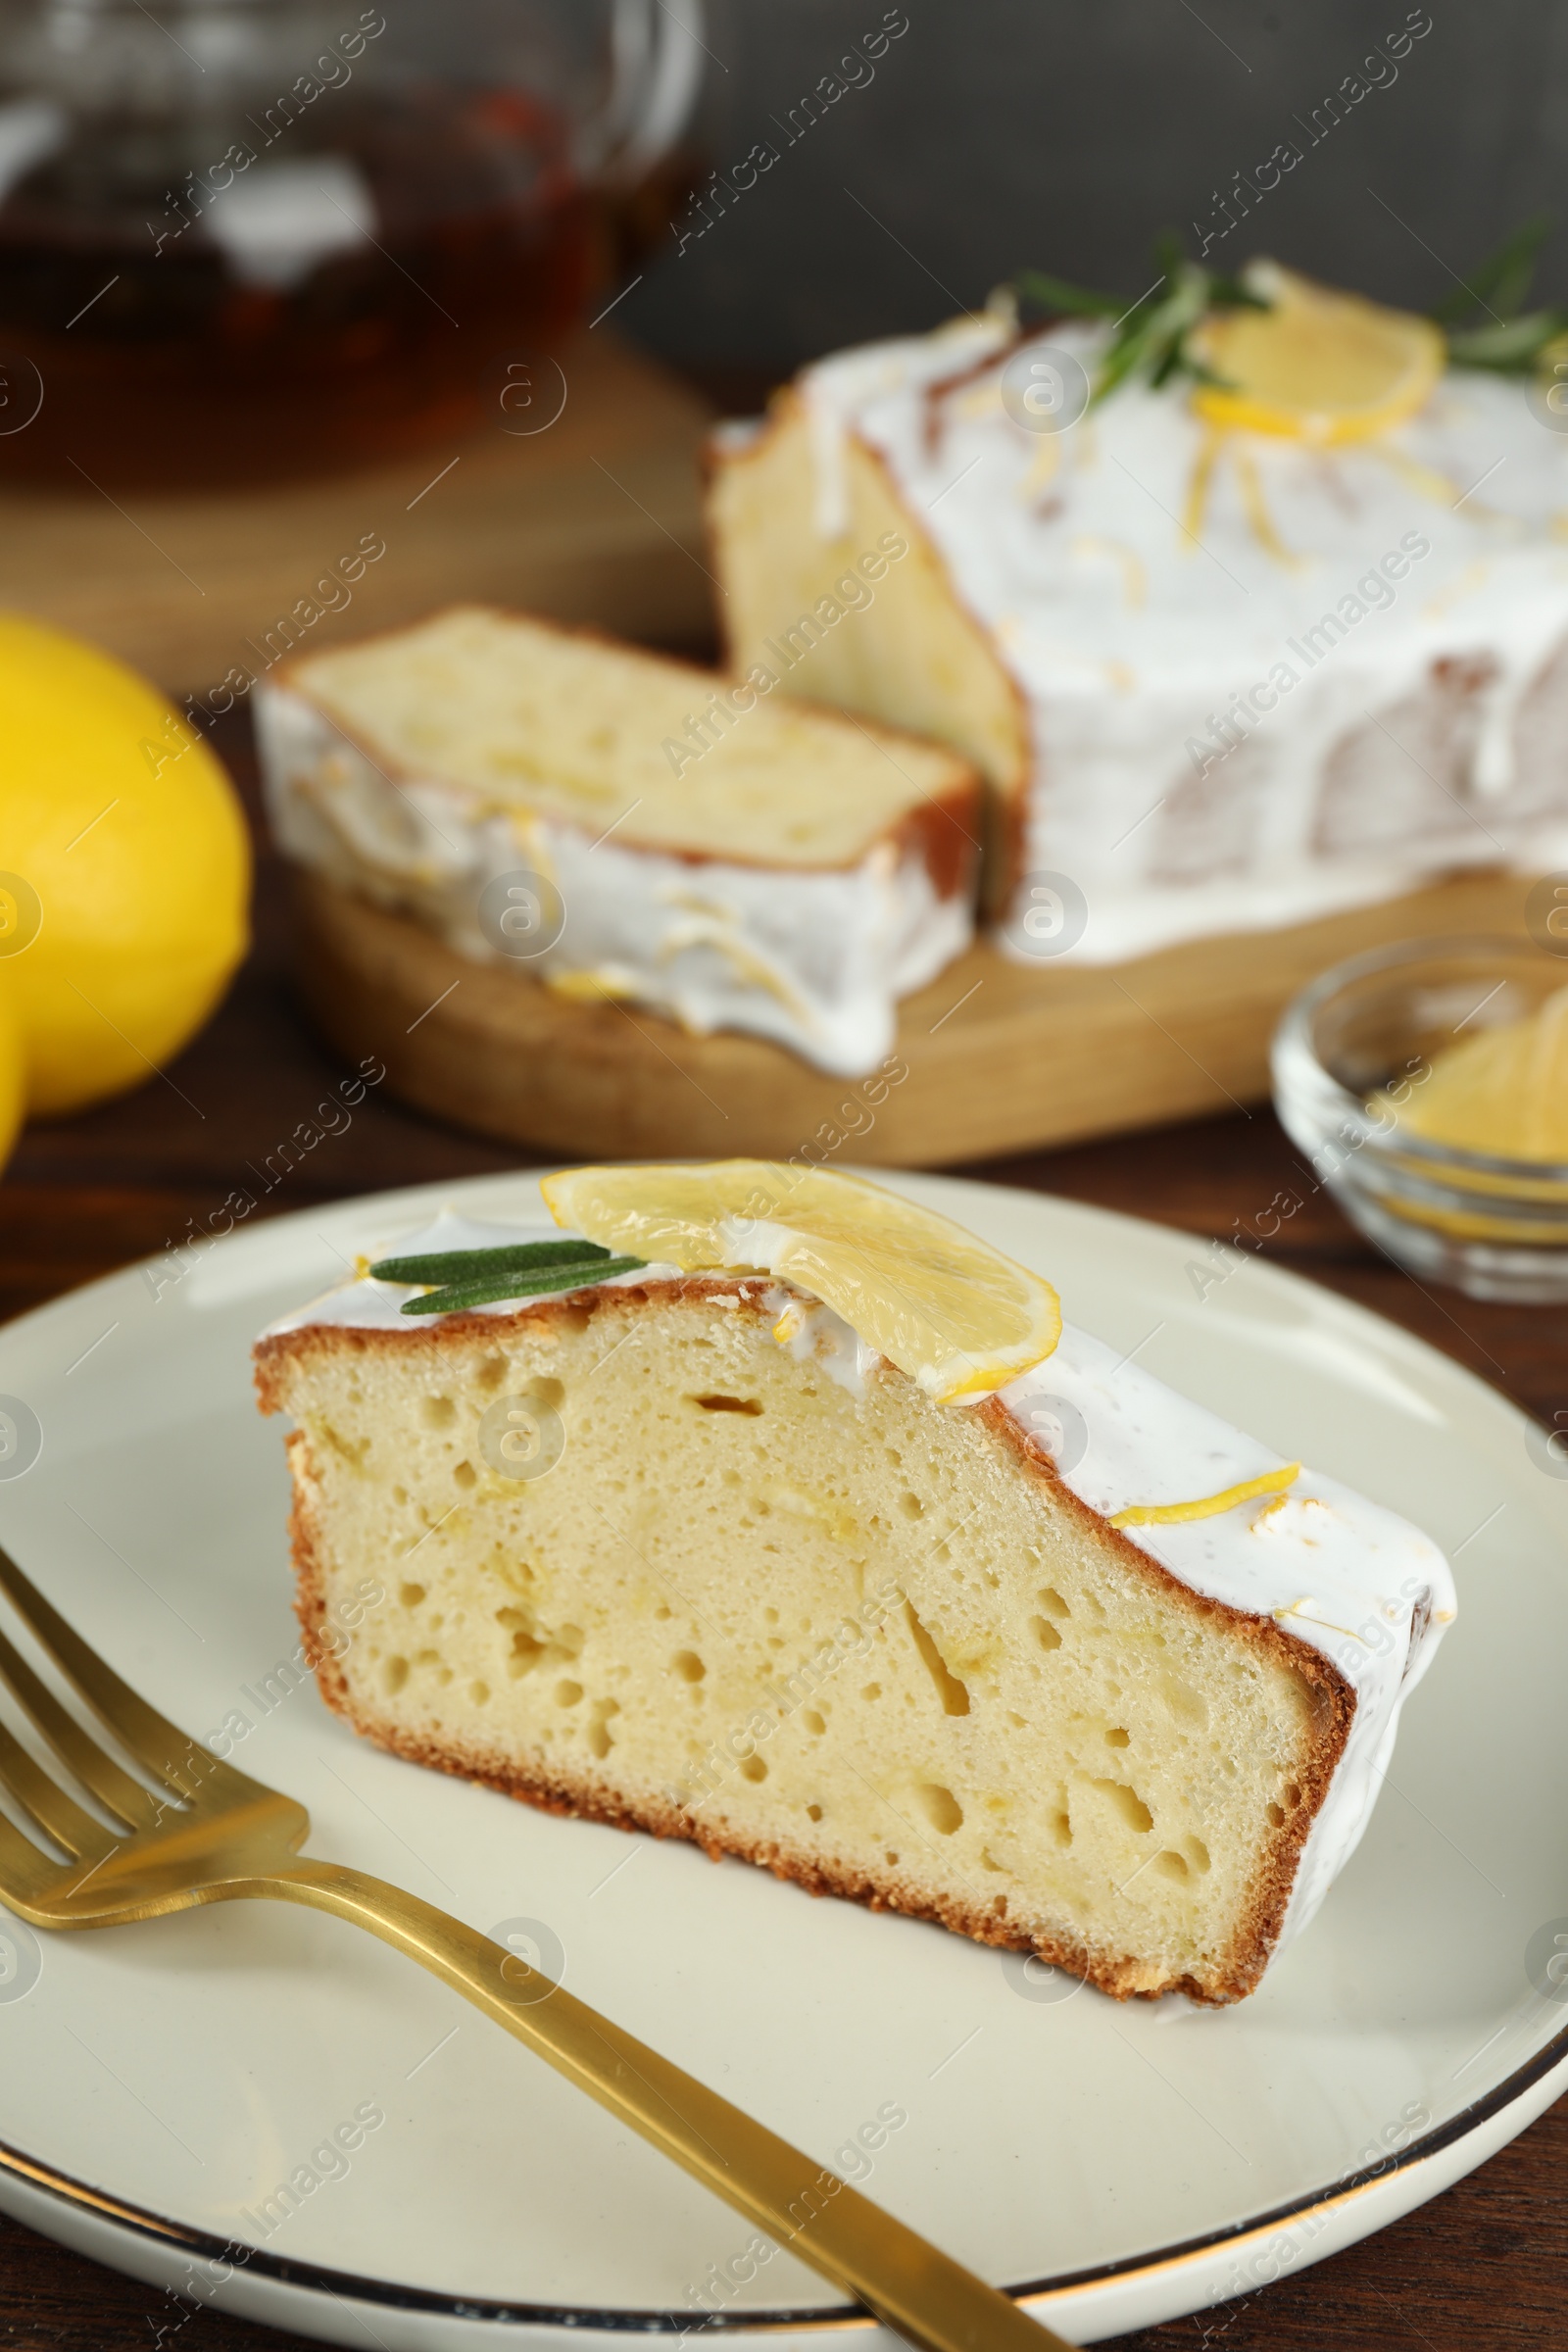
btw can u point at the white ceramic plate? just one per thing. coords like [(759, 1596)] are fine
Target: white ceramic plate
[(1119, 2165)]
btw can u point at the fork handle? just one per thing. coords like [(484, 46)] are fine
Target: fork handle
[(908, 2284)]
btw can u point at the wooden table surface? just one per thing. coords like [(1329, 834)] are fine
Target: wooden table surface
[(1483, 2266)]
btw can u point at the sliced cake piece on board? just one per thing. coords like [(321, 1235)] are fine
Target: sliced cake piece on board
[(792, 1521), (626, 827)]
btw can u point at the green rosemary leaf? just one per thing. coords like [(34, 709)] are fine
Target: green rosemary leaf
[(1235, 294), (1150, 335), (1511, 345), (1165, 368), (510, 1258), (1500, 283), (1171, 255), (1201, 373), (1055, 297), (1507, 338), (1153, 342), (458, 1295)]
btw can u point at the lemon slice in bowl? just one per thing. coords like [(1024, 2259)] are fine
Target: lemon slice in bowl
[(954, 1314), (1317, 366), (1502, 1091)]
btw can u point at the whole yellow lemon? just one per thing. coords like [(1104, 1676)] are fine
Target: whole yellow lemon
[(124, 868)]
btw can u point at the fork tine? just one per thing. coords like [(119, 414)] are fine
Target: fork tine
[(167, 1753), (124, 1798), (26, 1873), (58, 1815)]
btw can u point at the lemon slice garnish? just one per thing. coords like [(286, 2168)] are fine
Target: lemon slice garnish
[(1504, 1091), (1208, 1506), (1319, 365), (952, 1314)]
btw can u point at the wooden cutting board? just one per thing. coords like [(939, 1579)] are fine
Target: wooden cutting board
[(995, 1058)]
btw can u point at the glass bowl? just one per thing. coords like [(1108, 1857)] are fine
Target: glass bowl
[(1359, 1042)]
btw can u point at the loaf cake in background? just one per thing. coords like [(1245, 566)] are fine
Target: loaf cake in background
[(1221, 678), (829, 1583), (672, 838)]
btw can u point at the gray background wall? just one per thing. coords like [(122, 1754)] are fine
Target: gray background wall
[(999, 132)]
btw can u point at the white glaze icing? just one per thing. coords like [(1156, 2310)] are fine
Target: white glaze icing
[(1125, 635), (812, 1332), (1358, 1583), (813, 958)]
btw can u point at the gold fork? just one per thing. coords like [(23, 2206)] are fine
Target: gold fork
[(214, 1834)]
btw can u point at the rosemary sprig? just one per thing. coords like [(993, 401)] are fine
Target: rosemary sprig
[(1508, 339), (1149, 338), (510, 1257), (458, 1295), (1052, 297), (1501, 281), (1483, 319), (512, 1270), (1513, 346)]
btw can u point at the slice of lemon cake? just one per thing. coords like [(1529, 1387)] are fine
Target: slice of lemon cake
[(624, 826), (767, 1508)]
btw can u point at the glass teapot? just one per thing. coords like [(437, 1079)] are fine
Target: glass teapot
[(247, 238)]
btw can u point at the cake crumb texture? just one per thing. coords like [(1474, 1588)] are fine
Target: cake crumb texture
[(867, 1640)]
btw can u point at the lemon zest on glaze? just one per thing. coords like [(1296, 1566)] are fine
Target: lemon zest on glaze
[(1299, 1609), (1209, 1506), (1044, 466), (1428, 482), (1191, 522), (1258, 515), (1128, 561), (708, 927)]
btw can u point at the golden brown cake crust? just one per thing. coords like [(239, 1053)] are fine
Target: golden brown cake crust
[(583, 1796)]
